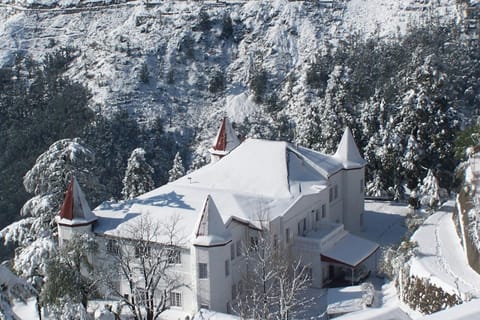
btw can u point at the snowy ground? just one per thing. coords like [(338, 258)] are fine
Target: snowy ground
[(441, 258)]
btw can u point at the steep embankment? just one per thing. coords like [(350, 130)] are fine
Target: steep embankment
[(467, 210)]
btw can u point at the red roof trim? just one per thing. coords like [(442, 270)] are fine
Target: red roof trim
[(221, 143), (66, 211)]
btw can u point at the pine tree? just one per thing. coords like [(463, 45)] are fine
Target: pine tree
[(138, 176), (430, 193), (47, 181), (410, 162), (337, 110), (177, 170), (66, 287)]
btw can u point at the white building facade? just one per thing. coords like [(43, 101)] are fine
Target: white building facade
[(313, 204)]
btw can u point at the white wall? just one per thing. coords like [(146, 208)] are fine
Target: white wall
[(336, 205), (354, 201), (67, 233), (214, 291)]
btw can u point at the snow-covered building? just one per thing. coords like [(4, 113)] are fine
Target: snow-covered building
[(311, 203)]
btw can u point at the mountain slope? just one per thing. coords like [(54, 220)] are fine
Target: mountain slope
[(185, 60)]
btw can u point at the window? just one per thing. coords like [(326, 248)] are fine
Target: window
[(227, 268), (232, 251), (175, 299), (324, 210), (275, 241), (174, 256), (330, 194), (336, 191), (239, 248), (287, 235), (142, 250), (234, 291), (361, 185), (202, 271), (253, 243), (302, 226), (317, 215), (112, 246)]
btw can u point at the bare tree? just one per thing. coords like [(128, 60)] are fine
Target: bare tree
[(273, 283), (144, 258)]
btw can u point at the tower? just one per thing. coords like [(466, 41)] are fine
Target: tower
[(353, 181), (225, 141), (212, 257), (75, 215)]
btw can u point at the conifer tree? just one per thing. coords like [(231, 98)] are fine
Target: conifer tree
[(47, 181), (138, 176), (177, 170), (430, 192)]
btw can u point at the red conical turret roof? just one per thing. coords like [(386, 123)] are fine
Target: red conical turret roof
[(226, 139), (75, 210)]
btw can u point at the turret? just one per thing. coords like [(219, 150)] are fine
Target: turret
[(225, 141), (75, 215), (212, 256), (347, 152), (353, 181)]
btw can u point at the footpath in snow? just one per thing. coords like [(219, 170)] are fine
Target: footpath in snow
[(440, 256)]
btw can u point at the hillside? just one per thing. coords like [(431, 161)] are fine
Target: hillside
[(187, 60)]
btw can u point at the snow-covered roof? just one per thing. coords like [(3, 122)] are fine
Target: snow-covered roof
[(350, 250), (258, 175), (75, 209), (226, 139), (347, 152), (210, 229)]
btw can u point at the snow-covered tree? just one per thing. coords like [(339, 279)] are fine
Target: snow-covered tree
[(47, 181), (430, 192), (337, 110), (410, 161), (177, 170), (12, 288), (273, 285), (144, 257), (138, 176), (66, 285)]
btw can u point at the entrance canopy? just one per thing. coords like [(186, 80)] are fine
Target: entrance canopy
[(350, 250)]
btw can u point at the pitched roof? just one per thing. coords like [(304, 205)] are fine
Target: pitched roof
[(226, 139), (210, 229), (347, 152), (75, 210), (257, 175)]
